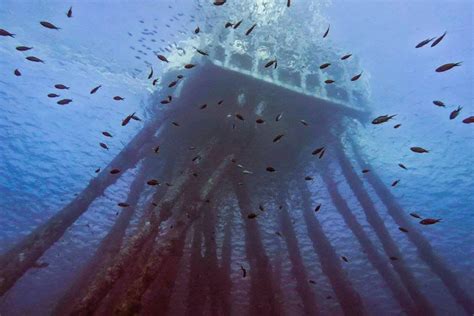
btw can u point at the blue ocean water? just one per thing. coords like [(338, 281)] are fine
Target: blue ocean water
[(49, 153)]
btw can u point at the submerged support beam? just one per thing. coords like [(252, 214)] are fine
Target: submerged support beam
[(425, 250), (423, 305), (348, 297), (376, 259), (225, 269)]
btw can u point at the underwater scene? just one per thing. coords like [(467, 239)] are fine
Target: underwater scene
[(236, 157)]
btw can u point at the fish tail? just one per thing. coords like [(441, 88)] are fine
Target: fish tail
[(458, 63)]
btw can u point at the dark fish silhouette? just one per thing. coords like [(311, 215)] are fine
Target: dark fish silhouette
[(155, 82), (419, 150), (162, 58), (312, 281), (104, 146), (175, 123), (270, 63), (17, 73), (239, 116), (151, 73), (228, 24), (259, 121), (180, 76), (118, 98), (397, 125), (53, 95), (448, 66), (327, 31), (189, 66), (6, 33), (279, 117), (106, 134), (69, 13), (202, 107), (278, 138), (127, 119), (344, 258), (157, 149), (324, 66), (317, 151), (439, 103), (97, 170), (382, 119), (365, 170), (34, 59), (250, 29), (123, 204), (329, 81), (49, 25), (252, 216), (64, 101), (95, 89), (23, 48), (196, 31), (61, 87), (468, 120), (403, 229), (270, 169), (317, 208), (429, 221), (394, 183), (439, 39), (356, 77), (244, 272), (346, 56), (114, 171), (172, 84), (402, 166), (153, 182), (423, 43), (288, 3), (304, 122), (202, 52), (237, 24), (219, 2), (220, 102), (415, 215), (455, 113)]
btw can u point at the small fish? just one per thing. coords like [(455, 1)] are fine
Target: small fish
[(439, 103), (220, 102), (322, 154), (202, 107), (468, 120), (402, 166), (423, 43), (155, 81), (49, 25), (244, 272), (61, 87), (382, 119), (151, 73), (172, 84), (304, 122), (344, 258), (279, 117), (415, 215), (356, 77), (23, 48), (237, 24), (162, 58), (317, 208), (175, 123), (346, 56), (429, 221), (114, 171), (127, 119), (239, 116), (278, 138), (123, 204), (312, 281), (365, 170), (53, 95), (324, 66), (270, 169), (419, 150), (394, 183), (228, 24), (308, 178), (180, 76), (17, 73), (104, 146), (251, 216), (219, 2), (106, 134), (97, 170), (448, 66), (278, 233), (271, 63), (455, 113), (69, 13), (157, 149), (317, 151), (260, 207), (393, 258), (397, 125), (259, 121), (34, 59), (6, 33), (189, 66), (197, 30), (250, 29), (202, 52), (329, 81), (95, 89), (438, 40), (64, 101), (152, 182), (403, 229), (327, 31)]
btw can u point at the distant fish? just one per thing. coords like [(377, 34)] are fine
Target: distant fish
[(202, 52), (97, 170), (239, 116), (114, 171), (429, 221), (23, 48), (250, 29), (270, 169), (49, 25), (439, 103), (304, 122), (106, 134), (123, 204), (397, 125), (228, 24), (219, 2), (365, 170), (419, 150), (324, 66), (382, 119), (244, 272), (17, 73), (151, 73), (61, 87), (448, 66), (237, 24), (69, 13), (271, 63), (455, 113), (64, 101), (317, 208), (394, 183), (189, 66), (344, 258), (259, 121), (175, 123), (329, 81), (162, 58), (438, 40), (197, 30), (279, 117), (252, 216), (288, 3), (402, 166), (155, 82), (278, 138), (95, 89), (356, 77), (220, 102), (327, 31), (415, 215), (34, 59), (423, 43), (6, 33), (346, 56), (127, 119), (317, 151), (403, 229), (202, 107), (103, 145), (172, 84), (468, 120), (53, 95), (118, 98)]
